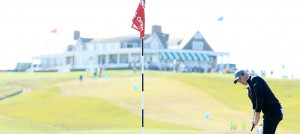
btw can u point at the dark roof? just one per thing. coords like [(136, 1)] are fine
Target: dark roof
[(148, 40), (187, 42), (85, 40), (163, 38)]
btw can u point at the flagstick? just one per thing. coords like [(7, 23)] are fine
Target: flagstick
[(143, 85)]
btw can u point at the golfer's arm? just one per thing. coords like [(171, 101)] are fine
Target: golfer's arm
[(259, 103), (257, 114), (258, 89)]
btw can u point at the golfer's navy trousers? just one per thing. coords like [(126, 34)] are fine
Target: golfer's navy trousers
[(271, 120)]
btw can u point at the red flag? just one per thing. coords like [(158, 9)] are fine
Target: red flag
[(138, 21), (54, 31)]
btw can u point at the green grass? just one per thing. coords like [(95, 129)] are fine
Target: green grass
[(50, 108), (34, 80), (174, 103), (221, 87)]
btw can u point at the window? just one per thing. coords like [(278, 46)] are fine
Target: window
[(112, 46), (146, 45), (101, 59), (133, 45), (135, 57), (129, 45), (70, 60), (112, 59), (155, 44), (136, 45), (123, 45), (78, 48), (197, 45), (90, 58), (123, 58), (91, 47), (70, 48), (148, 58)]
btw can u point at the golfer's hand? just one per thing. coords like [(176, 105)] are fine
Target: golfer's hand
[(256, 118)]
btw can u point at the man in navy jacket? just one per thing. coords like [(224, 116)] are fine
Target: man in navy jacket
[(262, 99)]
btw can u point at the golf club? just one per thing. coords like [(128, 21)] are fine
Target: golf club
[(251, 128)]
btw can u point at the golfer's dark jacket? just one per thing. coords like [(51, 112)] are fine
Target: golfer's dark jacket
[(261, 96)]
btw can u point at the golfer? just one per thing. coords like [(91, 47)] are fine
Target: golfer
[(262, 99)]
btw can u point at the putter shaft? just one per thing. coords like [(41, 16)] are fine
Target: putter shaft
[(251, 128)]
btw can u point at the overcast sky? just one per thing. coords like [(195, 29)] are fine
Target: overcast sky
[(259, 34)]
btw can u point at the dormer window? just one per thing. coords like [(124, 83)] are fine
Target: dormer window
[(197, 45)]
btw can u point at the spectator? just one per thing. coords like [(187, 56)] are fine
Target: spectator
[(103, 69), (100, 71), (80, 77), (235, 125), (87, 72), (146, 65), (133, 67), (231, 126), (243, 125), (95, 72), (170, 66), (272, 73), (165, 66)]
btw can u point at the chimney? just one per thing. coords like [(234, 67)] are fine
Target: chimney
[(156, 28), (76, 35)]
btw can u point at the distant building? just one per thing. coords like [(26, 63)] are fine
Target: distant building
[(120, 52), (22, 67)]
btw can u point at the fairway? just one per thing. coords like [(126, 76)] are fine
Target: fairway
[(174, 103)]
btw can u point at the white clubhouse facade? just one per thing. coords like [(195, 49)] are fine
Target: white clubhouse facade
[(121, 52)]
